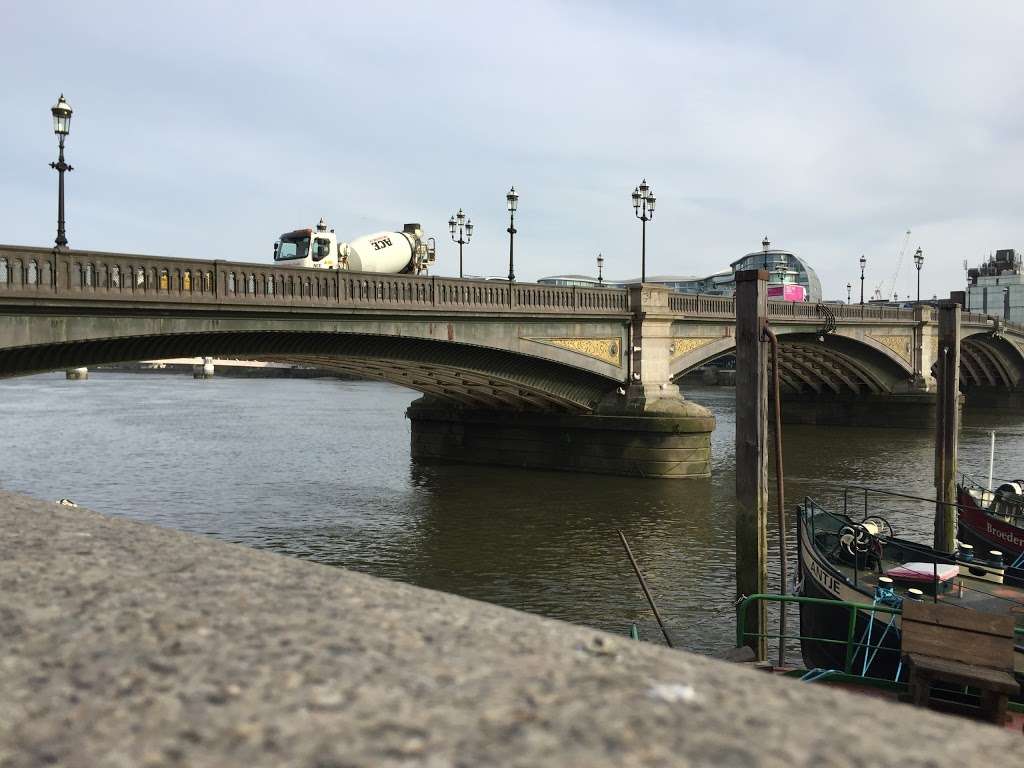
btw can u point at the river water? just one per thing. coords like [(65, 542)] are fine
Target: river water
[(320, 469)]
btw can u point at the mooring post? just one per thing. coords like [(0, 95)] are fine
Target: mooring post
[(752, 451), (947, 424)]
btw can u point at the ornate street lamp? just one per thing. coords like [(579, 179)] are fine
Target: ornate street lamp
[(849, 288), (465, 231), (863, 263), (765, 244), (61, 112), (643, 207), (918, 262), (512, 201), (600, 269)]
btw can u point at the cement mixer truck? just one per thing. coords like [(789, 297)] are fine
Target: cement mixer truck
[(405, 252)]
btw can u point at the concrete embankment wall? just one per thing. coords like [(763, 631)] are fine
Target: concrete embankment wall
[(123, 644)]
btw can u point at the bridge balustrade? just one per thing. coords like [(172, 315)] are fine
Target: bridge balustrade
[(114, 276), (110, 276), (702, 305)]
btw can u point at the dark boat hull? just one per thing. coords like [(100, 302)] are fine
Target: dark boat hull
[(820, 624)]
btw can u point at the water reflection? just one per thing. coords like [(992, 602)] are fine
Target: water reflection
[(320, 469)]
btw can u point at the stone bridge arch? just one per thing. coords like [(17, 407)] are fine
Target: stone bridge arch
[(463, 374), (990, 362), (847, 363)]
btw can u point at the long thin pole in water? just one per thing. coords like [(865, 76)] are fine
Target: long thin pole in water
[(647, 592), (991, 459), (780, 490)]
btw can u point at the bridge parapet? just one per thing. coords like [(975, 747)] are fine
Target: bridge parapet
[(700, 305), (97, 276)]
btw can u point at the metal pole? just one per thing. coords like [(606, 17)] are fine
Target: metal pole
[(647, 592), (918, 285), (643, 246), (60, 166), (780, 491), (511, 238), (511, 246), (991, 459), (862, 286), (461, 241), (751, 451)]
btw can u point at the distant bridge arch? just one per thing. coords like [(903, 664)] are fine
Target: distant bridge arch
[(847, 362)]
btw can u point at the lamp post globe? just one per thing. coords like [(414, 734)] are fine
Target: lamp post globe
[(918, 262), (61, 112), (643, 207)]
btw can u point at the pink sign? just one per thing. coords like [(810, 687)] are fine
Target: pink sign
[(788, 292)]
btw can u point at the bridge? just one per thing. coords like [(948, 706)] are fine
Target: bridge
[(523, 374)]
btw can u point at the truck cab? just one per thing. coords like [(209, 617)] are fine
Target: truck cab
[(308, 248)]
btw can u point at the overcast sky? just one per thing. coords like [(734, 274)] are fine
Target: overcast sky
[(207, 129)]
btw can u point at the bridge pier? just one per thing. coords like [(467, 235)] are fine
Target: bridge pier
[(76, 374), (914, 410), (670, 444), (992, 397), (644, 429)]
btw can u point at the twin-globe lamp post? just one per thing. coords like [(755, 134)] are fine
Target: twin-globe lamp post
[(465, 231), (643, 207), (61, 112)]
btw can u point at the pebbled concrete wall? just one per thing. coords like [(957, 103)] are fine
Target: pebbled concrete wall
[(123, 644)]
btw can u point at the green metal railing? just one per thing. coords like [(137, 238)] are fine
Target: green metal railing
[(851, 645)]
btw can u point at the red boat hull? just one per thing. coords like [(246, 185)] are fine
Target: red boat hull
[(986, 532)]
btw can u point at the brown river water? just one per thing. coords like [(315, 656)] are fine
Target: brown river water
[(320, 469)]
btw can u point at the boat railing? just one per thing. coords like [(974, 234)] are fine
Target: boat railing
[(850, 491), (820, 521), (853, 645), (968, 480)]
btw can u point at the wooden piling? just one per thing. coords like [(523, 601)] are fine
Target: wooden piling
[(752, 450), (947, 425)]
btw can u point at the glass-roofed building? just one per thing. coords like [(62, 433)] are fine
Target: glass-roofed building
[(789, 277)]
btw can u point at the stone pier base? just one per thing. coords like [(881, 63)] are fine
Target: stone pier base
[(911, 411), (76, 374), (991, 397), (673, 444), (204, 370)]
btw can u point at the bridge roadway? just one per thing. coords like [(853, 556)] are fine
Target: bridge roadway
[(524, 374)]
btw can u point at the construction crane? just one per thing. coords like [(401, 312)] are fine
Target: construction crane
[(879, 293)]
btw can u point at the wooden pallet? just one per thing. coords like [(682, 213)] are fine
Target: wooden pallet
[(959, 646)]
